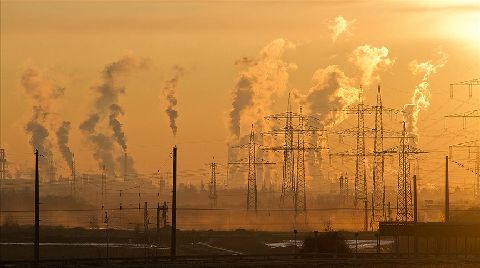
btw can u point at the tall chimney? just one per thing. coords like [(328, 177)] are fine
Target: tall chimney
[(173, 244), (447, 196), (125, 167)]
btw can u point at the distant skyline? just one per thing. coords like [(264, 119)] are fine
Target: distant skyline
[(190, 57)]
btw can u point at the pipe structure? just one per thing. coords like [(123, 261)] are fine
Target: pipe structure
[(173, 244), (447, 195)]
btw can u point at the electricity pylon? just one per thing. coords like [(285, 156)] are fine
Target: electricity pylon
[(464, 116), (469, 83), (405, 150), (293, 183), (213, 185), (252, 203), (378, 191), (475, 146), (361, 133)]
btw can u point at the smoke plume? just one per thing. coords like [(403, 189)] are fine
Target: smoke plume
[(331, 92), (370, 59), (118, 134), (102, 127), (265, 77), (62, 142), (339, 26), (43, 96), (420, 99), (169, 91)]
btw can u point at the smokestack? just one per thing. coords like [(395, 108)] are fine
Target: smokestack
[(125, 168), (447, 197), (173, 245), (415, 206)]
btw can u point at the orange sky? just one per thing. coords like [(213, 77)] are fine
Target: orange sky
[(72, 41)]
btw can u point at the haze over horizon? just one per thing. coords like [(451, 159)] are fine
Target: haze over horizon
[(144, 76)]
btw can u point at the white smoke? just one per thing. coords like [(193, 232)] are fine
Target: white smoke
[(370, 59), (339, 26), (420, 99)]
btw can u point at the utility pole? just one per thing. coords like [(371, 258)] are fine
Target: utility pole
[(73, 177), (104, 186), (125, 167), (251, 162), (447, 193), (37, 214), (145, 228), (105, 221), (213, 185), (415, 199), (173, 242)]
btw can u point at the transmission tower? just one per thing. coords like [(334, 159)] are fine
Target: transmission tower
[(104, 186), (378, 134), (378, 191), (213, 185), (293, 183), (300, 188), (405, 151), (464, 116), (473, 147), (73, 175), (252, 174), (469, 83)]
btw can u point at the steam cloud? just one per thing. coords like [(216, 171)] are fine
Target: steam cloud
[(62, 142), (370, 59), (43, 95), (339, 26), (106, 111), (169, 91), (420, 99), (266, 76)]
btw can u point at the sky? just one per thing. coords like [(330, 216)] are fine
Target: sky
[(198, 51)]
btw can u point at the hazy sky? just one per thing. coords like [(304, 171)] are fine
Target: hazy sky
[(71, 42)]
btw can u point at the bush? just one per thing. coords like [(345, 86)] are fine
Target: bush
[(328, 242)]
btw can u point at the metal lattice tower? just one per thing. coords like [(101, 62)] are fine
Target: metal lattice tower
[(104, 186), (404, 184), (360, 168), (378, 191), (464, 116), (300, 189), (470, 145), (293, 184), (361, 133), (252, 174), (288, 183), (251, 162), (213, 185), (73, 175), (469, 83)]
